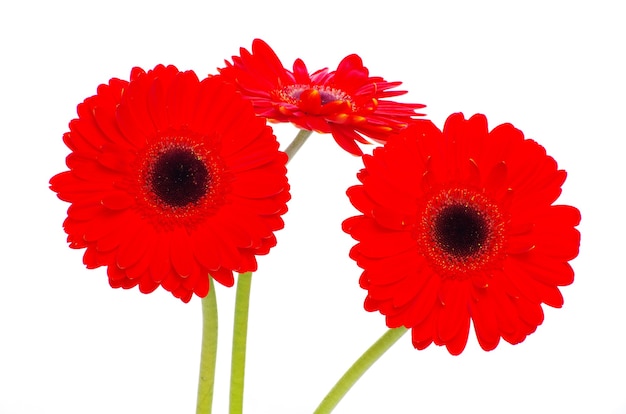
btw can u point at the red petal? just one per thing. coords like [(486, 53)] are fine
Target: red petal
[(484, 315), (180, 252), (454, 310)]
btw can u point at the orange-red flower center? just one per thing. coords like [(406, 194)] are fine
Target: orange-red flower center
[(461, 232), (293, 94)]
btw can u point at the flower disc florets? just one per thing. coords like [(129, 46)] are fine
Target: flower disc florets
[(460, 231), (181, 180)]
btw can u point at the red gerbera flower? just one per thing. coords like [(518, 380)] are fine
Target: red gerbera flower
[(171, 179), (459, 225), (346, 102)]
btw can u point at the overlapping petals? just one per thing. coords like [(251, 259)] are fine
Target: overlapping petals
[(347, 103), (460, 226), (171, 179)]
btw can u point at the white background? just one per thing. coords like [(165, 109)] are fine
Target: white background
[(71, 344)]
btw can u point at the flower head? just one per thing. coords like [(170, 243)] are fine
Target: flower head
[(460, 225), (171, 179), (346, 103)]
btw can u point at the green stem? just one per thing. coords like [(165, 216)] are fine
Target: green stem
[(242, 305), (297, 142), (357, 369), (208, 353), (240, 335)]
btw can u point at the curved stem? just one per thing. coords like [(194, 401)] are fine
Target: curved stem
[(297, 142), (240, 335), (357, 369), (208, 353)]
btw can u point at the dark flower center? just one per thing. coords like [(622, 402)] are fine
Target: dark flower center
[(460, 230), (179, 177)]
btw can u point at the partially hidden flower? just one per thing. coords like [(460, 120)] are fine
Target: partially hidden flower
[(171, 179), (459, 225), (347, 103)]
